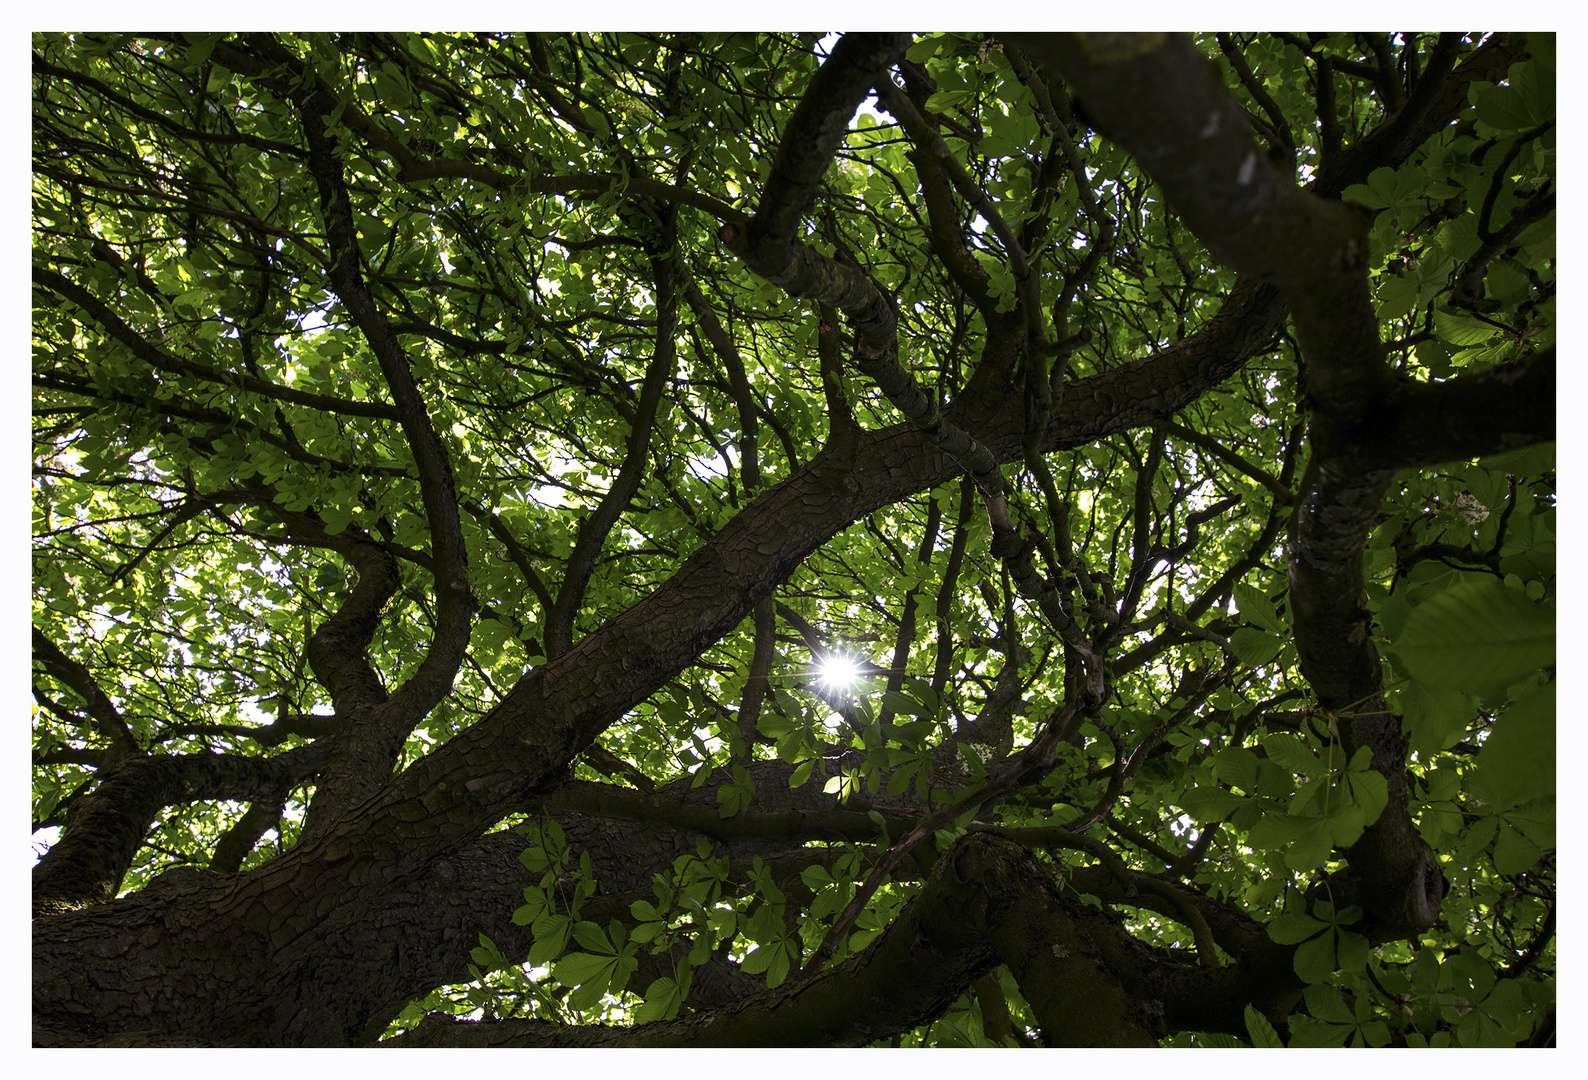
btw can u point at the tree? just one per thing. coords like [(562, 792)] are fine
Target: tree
[(589, 540)]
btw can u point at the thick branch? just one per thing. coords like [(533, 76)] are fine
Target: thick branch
[(454, 599), (498, 764), (367, 749), (810, 138), (1161, 99), (987, 900), (105, 827), (1472, 415)]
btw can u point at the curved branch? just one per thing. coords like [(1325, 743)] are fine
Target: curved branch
[(810, 138), (336, 650), (161, 360), (75, 675), (235, 844), (744, 398), (454, 598), (1472, 415), (598, 524), (987, 900), (926, 138), (368, 748), (105, 827)]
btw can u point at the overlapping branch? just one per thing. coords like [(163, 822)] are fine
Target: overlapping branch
[(987, 901), (106, 826), (1160, 99)]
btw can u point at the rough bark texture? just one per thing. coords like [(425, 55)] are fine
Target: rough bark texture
[(312, 925), (399, 871)]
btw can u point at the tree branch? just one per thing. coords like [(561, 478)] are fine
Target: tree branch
[(75, 675), (988, 900), (105, 827), (595, 527)]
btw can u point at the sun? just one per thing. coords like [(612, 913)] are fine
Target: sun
[(838, 672)]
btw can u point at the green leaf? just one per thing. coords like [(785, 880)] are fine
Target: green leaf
[(592, 937), (1369, 793), (1291, 754), (1513, 852), (1478, 636), (1462, 330), (551, 937), (1306, 1033), (1506, 108), (731, 799), (1517, 762), (662, 1001), (944, 100), (1275, 830), (1294, 927), (899, 780), (816, 877), (1255, 607), (1353, 951), (1209, 804), (1314, 961), (1433, 717), (778, 970), (1255, 647), (1311, 848), (1261, 1032), (582, 969), (1325, 1003), (198, 53), (757, 960), (1237, 767), (900, 703)]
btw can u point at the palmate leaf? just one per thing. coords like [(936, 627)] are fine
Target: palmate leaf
[(1513, 852), (1255, 647), (1478, 636), (1291, 753), (1237, 766), (1315, 958), (533, 309), (1257, 608), (1294, 927)]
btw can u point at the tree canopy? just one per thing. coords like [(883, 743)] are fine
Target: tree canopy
[(752, 539)]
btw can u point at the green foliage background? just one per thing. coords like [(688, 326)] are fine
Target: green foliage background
[(168, 450)]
